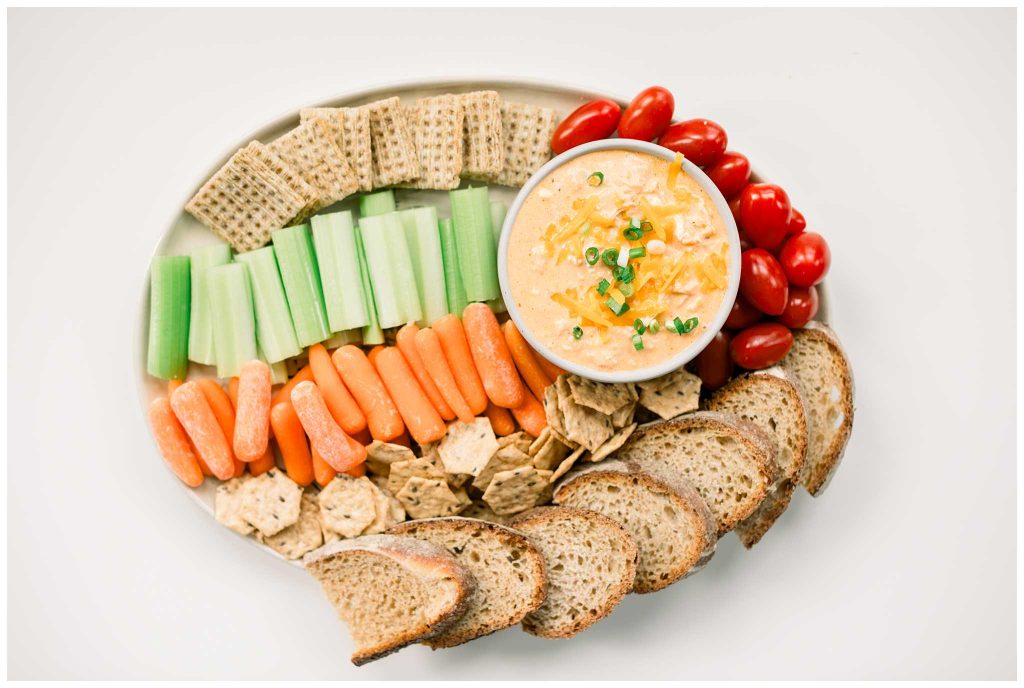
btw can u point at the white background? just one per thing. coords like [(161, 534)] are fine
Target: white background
[(894, 133)]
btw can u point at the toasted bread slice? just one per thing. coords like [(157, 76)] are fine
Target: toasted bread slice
[(771, 400), (673, 528), (508, 569), (819, 364), (728, 460), (391, 590), (590, 561)]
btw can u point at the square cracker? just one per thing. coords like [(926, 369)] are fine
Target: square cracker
[(484, 146), (270, 502), (517, 490), (419, 468), (600, 396), (623, 416), (527, 130), (552, 410), (566, 464), (381, 455), (347, 505), (352, 132), (550, 454), (392, 143), (522, 440), (583, 425), (613, 443), (437, 129), (228, 503), (480, 511), (539, 441), (387, 512), (302, 536), (468, 446), (680, 395), (505, 459), (424, 498), (271, 166), (312, 148)]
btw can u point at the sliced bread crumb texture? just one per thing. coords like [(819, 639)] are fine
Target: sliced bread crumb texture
[(508, 569), (590, 561), (391, 591)]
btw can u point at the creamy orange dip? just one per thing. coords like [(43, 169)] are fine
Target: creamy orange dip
[(611, 202)]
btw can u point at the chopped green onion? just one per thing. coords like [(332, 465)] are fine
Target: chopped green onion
[(638, 342), (632, 233), (654, 327), (634, 222), (592, 254), (595, 179), (689, 324), (602, 286), (624, 275), (677, 325), (626, 289), (638, 325), (577, 332), (616, 307), (646, 226), (638, 252), (609, 256)]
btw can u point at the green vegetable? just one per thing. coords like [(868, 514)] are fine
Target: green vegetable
[(497, 305), (646, 226), (372, 334), (633, 234), (424, 241), (474, 240), (677, 325), (343, 338), (638, 251), (454, 291), (626, 289), (234, 322), (391, 270), (638, 342), (498, 212), (624, 275), (278, 371), (602, 286), (616, 307), (301, 278), (655, 327), (592, 254), (688, 325), (200, 332), (595, 179), (577, 332), (334, 238), (275, 331), (377, 203), (169, 286), (638, 325), (609, 256)]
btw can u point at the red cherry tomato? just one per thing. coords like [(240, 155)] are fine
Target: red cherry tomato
[(648, 115), (591, 121), (742, 315), (714, 363), (801, 307), (805, 259), (761, 346), (796, 223), (734, 206), (730, 173), (762, 281), (764, 214), (700, 140)]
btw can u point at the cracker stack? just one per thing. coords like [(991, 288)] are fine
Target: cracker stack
[(392, 144), (351, 128), (437, 129), (312, 149)]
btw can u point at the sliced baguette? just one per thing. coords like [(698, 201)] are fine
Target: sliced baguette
[(508, 569), (391, 591), (673, 528), (728, 460), (771, 400), (590, 562), (819, 364)]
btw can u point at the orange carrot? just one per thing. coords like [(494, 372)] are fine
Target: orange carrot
[(531, 416), (534, 376), (173, 385), (456, 349), (491, 356), (340, 403), (291, 440), (285, 393), (363, 437), (233, 391), (421, 418), (549, 368), (197, 417), (264, 463), (334, 445), (220, 402), (322, 471), (406, 342), (372, 354), (357, 471), (173, 443), (252, 419), (403, 439), (359, 376), (428, 346), (501, 420)]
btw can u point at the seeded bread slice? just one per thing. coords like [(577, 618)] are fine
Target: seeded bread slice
[(508, 569), (673, 528), (771, 400), (391, 591), (590, 562), (819, 364), (728, 460)]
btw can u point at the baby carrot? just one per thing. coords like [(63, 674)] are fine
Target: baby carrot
[(549, 368), (173, 385), (225, 413), (252, 419), (340, 403), (534, 376), (456, 349), (531, 416), (197, 417), (291, 440), (405, 340), (264, 463), (421, 418), (357, 471), (428, 346), (322, 471), (359, 376), (173, 443), (372, 355), (491, 356), (285, 393), (334, 445), (501, 420), (363, 437), (233, 391), (403, 439)]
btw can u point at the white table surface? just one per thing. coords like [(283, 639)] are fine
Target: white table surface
[(893, 131)]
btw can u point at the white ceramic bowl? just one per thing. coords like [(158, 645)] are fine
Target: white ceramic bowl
[(669, 364)]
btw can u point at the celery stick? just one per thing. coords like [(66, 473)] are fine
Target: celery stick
[(372, 334), (234, 323), (424, 242), (474, 239), (498, 212), (391, 271), (377, 203), (335, 243), (342, 338), (454, 291), (169, 286), (301, 279), (278, 370), (200, 333), (498, 305), (275, 332)]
